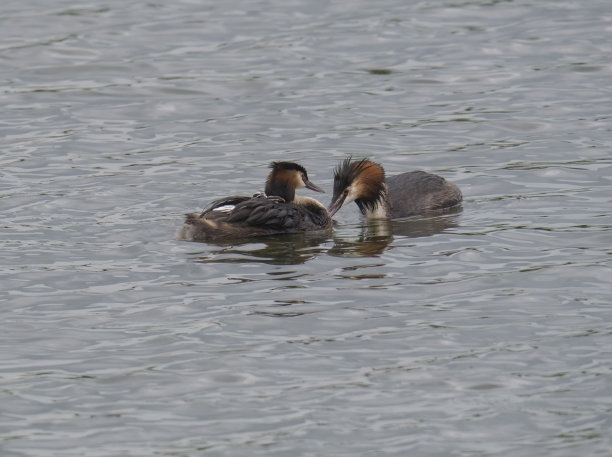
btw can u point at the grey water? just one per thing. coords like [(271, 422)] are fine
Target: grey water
[(483, 332)]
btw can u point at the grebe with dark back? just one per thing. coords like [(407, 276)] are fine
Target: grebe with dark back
[(402, 195), (276, 211)]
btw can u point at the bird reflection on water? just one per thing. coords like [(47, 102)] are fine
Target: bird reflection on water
[(286, 249), (375, 237)]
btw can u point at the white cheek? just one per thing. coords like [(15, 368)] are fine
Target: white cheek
[(351, 196), (301, 183)]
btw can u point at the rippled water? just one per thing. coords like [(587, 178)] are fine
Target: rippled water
[(479, 333)]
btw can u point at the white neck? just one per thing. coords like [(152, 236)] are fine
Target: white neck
[(299, 200), (381, 210)]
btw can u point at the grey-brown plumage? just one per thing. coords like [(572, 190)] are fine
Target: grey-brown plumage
[(406, 194), (261, 215), (419, 192)]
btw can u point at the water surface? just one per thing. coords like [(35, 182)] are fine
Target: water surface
[(484, 332)]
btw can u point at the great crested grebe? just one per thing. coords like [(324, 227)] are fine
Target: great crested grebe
[(406, 194), (276, 211)]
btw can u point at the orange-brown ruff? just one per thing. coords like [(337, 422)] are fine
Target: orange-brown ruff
[(406, 194), (276, 211)]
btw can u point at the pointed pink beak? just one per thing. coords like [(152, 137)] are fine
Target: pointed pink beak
[(311, 186)]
